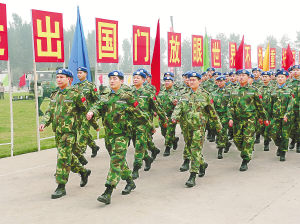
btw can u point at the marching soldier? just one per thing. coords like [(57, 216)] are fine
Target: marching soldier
[(257, 82), (233, 84), (245, 104), (65, 106)]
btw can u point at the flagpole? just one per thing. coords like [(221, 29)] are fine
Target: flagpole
[(11, 111), (96, 71), (36, 106)]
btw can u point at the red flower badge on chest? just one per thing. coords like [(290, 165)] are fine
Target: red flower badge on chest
[(95, 89), (211, 101), (83, 99), (293, 95), (154, 98), (136, 103), (260, 96)]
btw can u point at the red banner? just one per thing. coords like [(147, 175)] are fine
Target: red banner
[(3, 34), (107, 41), (272, 58), (260, 59), (48, 36), (141, 45), (294, 57), (247, 56), (232, 53), (197, 51), (215, 53), (283, 62), (174, 49)]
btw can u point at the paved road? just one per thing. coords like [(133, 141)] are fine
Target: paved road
[(269, 192)]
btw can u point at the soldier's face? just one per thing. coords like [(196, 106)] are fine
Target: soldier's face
[(194, 83), (221, 83), (115, 83), (138, 80), (256, 74), (243, 79), (266, 78), (281, 79), (186, 80), (233, 78), (296, 73), (62, 81), (81, 75), (148, 79), (168, 84)]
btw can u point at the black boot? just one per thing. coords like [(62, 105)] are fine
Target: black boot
[(220, 156), (298, 147), (202, 169), (212, 138), (135, 172), (82, 160), (292, 144), (230, 134), (282, 156), (175, 144), (185, 166), (106, 196), (129, 187), (155, 152), (167, 151), (148, 160), (266, 145), (95, 151), (59, 192), (244, 165), (257, 139), (191, 181), (226, 150), (278, 151), (84, 177)]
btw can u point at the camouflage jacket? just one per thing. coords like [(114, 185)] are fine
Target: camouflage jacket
[(257, 83), (245, 102), (210, 85), (281, 102), (221, 98), (265, 92), (231, 86), (295, 86), (149, 87), (165, 99), (64, 109)]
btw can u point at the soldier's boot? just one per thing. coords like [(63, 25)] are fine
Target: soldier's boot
[(230, 135), (266, 145), (208, 137), (278, 151), (292, 144), (282, 156), (298, 147), (244, 165), (129, 187), (212, 138), (148, 161), (95, 151), (106, 196), (59, 192), (155, 152), (226, 150), (82, 160), (257, 139), (84, 177), (202, 169), (135, 172), (220, 152), (185, 166), (167, 151), (175, 144), (191, 181)]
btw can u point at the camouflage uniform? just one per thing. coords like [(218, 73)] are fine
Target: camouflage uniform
[(65, 106), (245, 104), (230, 87)]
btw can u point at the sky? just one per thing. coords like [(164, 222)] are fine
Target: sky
[(256, 19)]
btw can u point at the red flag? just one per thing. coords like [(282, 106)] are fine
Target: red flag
[(155, 64), (22, 81), (289, 58), (239, 57)]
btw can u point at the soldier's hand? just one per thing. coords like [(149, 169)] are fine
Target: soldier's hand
[(174, 121), (267, 123), (155, 114), (260, 121), (165, 125), (175, 102), (219, 130), (42, 127), (230, 123), (285, 119), (153, 131), (89, 115), (98, 129)]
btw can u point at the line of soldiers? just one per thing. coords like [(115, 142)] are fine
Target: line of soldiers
[(238, 105)]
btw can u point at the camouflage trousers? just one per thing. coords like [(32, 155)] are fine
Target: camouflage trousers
[(185, 133), (168, 133), (243, 136), (85, 138), (266, 132), (222, 137), (66, 160), (295, 128), (116, 146), (280, 133), (195, 143)]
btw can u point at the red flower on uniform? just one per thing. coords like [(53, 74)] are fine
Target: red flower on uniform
[(293, 95), (211, 101), (83, 99), (260, 96), (95, 89), (136, 103), (154, 98)]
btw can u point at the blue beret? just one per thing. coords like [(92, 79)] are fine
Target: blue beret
[(144, 71), (232, 73), (243, 71), (169, 73), (221, 78), (266, 73), (210, 69), (282, 72), (251, 76), (226, 73), (203, 73), (168, 78), (141, 73), (217, 73), (195, 74), (294, 67), (256, 69), (186, 73), (84, 69), (280, 69), (116, 73), (64, 71)]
